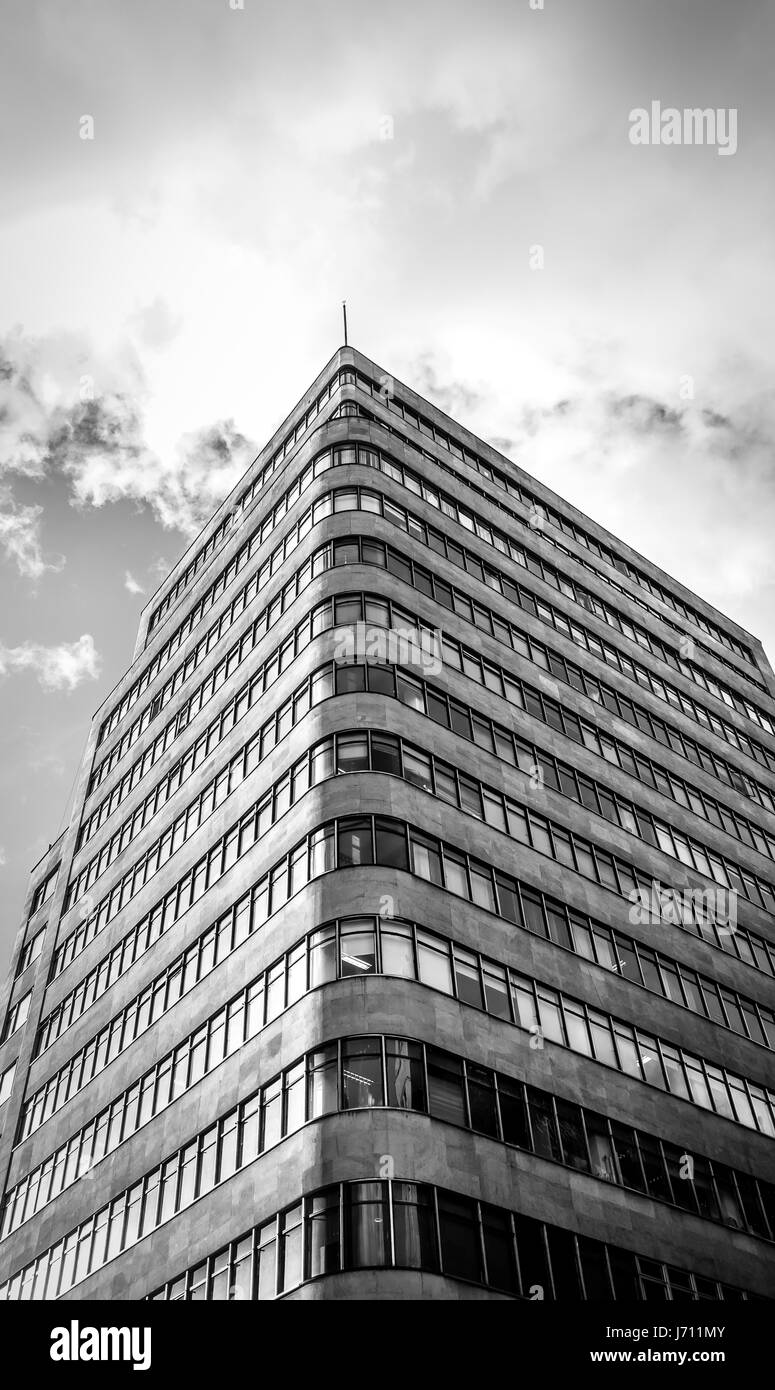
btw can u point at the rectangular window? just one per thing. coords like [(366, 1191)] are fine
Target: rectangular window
[(461, 1256), (446, 1095), (367, 1226), (361, 1073)]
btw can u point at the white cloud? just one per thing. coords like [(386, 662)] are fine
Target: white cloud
[(3, 860), (20, 537), (63, 667), (88, 426), (131, 584)]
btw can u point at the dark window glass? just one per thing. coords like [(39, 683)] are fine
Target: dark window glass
[(704, 1190), (469, 987), (625, 1275), (601, 1149), (385, 754), (654, 1167), (349, 678), (534, 917), (437, 708), (459, 1231), (682, 1186), (508, 899), (513, 1109), (558, 926), (481, 1100), (415, 1226), (499, 1250), (572, 1134), (533, 1267), (562, 1252), (391, 844), (381, 680), (545, 1138), (754, 1218), (354, 842), (593, 1264), (405, 1075), (445, 1087), (627, 1156)]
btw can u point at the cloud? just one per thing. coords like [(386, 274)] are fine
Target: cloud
[(131, 584), (3, 860), (23, 413), (88, 426), (62, 667), (101, 450), (691, 487), (20, 537), (453, 397)]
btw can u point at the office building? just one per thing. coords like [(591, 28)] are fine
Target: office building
[(413, 933)]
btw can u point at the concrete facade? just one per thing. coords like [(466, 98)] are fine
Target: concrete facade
[(734, 1246)]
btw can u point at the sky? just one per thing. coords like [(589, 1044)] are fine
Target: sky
[(189, 188)]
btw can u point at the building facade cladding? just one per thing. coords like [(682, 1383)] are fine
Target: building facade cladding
[(260, 1040)]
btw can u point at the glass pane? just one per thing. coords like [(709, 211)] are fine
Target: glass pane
[(414, 1224), (397, 951), (361, 1073), (460, 1253), (445, 1088), (405, 1075)]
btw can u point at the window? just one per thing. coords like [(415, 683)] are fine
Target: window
[(385, 754), (31, 951), (361, 1073), (17, 1015), (391, 843), (322, 956), (469, 987), (290, 1246), (352, 753), (44, 890), (499, 1249), (426, 860), (367, 1225), (433, 962), (417, 769), (6, 1082), (321, 1081), (397, 950), (405, 1075), (481, 1100), (357, 948), (354, 842), (323, 1252), (459, 1231), (414, 1225), (446, 1096)]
